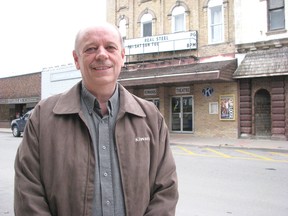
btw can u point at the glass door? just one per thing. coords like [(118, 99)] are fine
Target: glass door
[(182, 114)]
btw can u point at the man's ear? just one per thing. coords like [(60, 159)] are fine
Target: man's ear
[(75, 56), (123, 56)]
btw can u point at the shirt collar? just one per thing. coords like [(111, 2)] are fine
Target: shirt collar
[(91, 101)]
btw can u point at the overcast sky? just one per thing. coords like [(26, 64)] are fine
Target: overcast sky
[(37, 34)]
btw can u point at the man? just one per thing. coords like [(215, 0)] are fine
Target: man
[(96, 149)]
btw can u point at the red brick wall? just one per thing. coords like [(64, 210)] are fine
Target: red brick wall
[(28, 85)]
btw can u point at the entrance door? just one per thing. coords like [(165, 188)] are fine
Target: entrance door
[(182, 114), (262, 113)]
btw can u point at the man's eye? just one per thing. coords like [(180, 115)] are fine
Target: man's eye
[(111, 48), (90, 50)]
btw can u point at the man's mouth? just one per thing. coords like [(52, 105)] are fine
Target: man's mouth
[(101, 67)]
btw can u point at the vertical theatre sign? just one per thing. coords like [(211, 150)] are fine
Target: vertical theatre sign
[(162, 43)]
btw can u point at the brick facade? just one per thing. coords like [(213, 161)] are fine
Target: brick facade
[(277, 114), (196, 19), (21, 86)]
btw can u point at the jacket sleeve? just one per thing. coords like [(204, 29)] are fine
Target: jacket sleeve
[(29, 193), (164, 195)]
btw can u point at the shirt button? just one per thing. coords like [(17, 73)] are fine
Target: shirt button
[(107, 202), (103, 147), (105, 174)]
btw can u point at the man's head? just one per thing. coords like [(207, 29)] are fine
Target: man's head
[(99, 55)]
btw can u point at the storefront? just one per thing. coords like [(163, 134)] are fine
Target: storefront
[(19, 94), (199, 98), (263, 80)]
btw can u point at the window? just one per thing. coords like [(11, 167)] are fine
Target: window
[(276, 15), (156, 101), (122, 28), (178, 19), (215, 21), (146, 25)]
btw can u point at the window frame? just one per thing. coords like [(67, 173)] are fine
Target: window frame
[(269, 17), (144, 21), (155, 101), (178, 12), (211, 27), (122, 28)]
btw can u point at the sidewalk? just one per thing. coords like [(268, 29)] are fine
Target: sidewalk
[(5, 130), (189, 139)]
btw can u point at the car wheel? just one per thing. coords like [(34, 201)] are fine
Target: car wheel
[(15, 131)]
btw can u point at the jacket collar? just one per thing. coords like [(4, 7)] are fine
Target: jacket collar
[(69, 102), (129, 104)]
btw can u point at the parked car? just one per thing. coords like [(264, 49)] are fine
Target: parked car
[(18, 125)]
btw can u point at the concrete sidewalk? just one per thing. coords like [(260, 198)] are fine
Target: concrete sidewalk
[(5, 130), (189, 139)]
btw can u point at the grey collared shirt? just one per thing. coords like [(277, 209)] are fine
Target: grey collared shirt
[(108, 196)]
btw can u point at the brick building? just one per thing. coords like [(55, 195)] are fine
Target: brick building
[(18, 94), (262, 43), (181, 56)]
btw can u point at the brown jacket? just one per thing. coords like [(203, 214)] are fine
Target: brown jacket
[(54, 166)]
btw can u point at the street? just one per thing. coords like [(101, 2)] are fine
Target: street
[(219, 182), (212, 181)]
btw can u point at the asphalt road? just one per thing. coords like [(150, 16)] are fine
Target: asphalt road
[(212, 181), (220, 182)]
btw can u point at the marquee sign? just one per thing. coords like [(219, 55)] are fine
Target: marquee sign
[(161, 43)]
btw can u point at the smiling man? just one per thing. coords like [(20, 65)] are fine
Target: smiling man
[(96, 149)]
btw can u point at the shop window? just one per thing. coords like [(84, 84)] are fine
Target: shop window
[(276, 15), (178, 19), (146, 25), (156, 101), (215, 14)]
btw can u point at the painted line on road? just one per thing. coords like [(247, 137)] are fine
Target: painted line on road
[(188, 151), (278, 153), (194, 154), (219, 153), (255, 155)]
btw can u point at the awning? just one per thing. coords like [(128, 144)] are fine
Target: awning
[(263, 63), (211, 71)]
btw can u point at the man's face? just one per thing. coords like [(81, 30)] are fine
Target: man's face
[(99, 56)]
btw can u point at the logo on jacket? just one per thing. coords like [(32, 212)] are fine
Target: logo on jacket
[(141, 139)]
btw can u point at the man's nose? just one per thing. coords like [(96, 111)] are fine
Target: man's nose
[(101, 53)]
